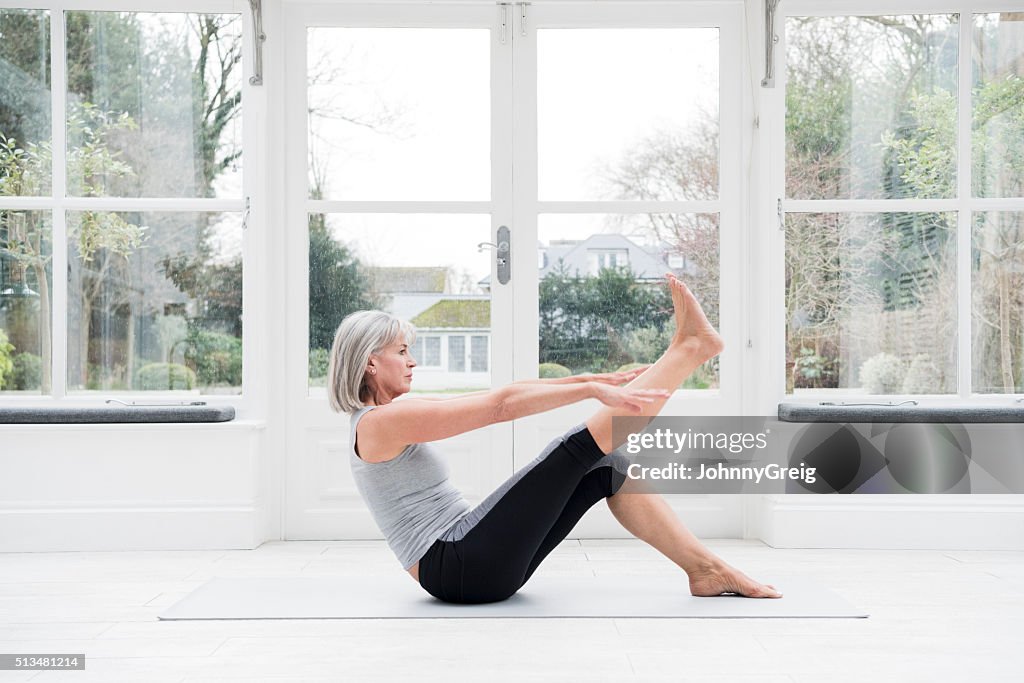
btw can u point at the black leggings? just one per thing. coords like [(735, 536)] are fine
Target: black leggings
[(540, 506)]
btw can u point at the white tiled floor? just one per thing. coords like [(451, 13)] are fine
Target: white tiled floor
[(935, 616)]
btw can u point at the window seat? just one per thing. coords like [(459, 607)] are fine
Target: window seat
[(813, 412), (116, 414)]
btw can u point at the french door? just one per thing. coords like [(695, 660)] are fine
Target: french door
[(515, 180)]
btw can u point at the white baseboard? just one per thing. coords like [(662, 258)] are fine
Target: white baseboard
[(939, 522)]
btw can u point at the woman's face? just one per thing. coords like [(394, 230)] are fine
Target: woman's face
[(390, 371)]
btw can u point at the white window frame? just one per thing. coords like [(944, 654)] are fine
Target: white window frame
[(58, 203), (777, 204)]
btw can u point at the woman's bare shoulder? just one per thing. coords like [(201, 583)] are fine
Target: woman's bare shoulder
[(419, 420), (371, 443)]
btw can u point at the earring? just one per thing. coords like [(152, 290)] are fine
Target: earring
[(373, 371)]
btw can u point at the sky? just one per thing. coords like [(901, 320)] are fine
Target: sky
[(420, 101)]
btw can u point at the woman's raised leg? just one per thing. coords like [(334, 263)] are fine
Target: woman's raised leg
[(647, 515), (695, 341)]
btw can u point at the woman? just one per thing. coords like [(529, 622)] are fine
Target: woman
[(485, 554)]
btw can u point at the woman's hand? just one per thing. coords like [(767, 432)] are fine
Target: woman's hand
[(616, 378), (635, 400)]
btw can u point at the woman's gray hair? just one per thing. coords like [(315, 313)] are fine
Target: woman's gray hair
[(358, 336)]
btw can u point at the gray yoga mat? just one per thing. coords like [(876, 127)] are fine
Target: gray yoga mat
[(398, 597)]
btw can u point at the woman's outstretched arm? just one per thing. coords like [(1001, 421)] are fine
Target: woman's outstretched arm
[(399, 423), (616, 378)]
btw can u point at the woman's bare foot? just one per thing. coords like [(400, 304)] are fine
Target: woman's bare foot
[(692, 327), (721, 578)]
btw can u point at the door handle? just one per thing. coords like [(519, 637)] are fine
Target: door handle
[(502, 254)]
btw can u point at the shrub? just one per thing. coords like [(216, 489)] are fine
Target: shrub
[(319, 359), (882, 374), (165, 376), (28, 371), (104, 377), (216, 357), (646, 344), (811, 371), (6, 363), (555, 370)]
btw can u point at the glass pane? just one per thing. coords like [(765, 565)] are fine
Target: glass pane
[(599, 315), (416, 350), (399, 113), (997, 289), (871, 302), (24, 102), (998, 153), (154, 103), (26, 302), (422, 268), (457, 353), (627, 114), (431, 352), (478, 356), (155, 302), (871, 107)]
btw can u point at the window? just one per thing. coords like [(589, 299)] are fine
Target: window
[(456, 353), (604, 259), (478, 353), (903, 204), (427, 351), (137, 195)]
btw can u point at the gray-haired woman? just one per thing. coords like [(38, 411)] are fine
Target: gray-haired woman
[(464, 554)]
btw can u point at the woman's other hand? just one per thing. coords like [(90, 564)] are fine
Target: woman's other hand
[(617, 378), (635, 400)]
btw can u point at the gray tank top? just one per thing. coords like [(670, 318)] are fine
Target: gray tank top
[(410, 496)]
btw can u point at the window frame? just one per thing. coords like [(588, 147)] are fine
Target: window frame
[(59, 204), (964, 204)]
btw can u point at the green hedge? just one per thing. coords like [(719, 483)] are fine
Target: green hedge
[(549, 370), (165, 376)]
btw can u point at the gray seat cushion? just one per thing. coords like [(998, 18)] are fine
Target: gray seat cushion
[(113, 414), (803, 412)]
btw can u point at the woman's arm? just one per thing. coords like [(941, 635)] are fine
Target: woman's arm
[(616, 378), (391, 427)]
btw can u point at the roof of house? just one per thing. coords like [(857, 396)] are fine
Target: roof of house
[(462, 313), (422, 279)]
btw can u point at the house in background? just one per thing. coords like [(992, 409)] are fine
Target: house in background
[(587, 258), (453, 339), (453, 343), (408, 291)]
